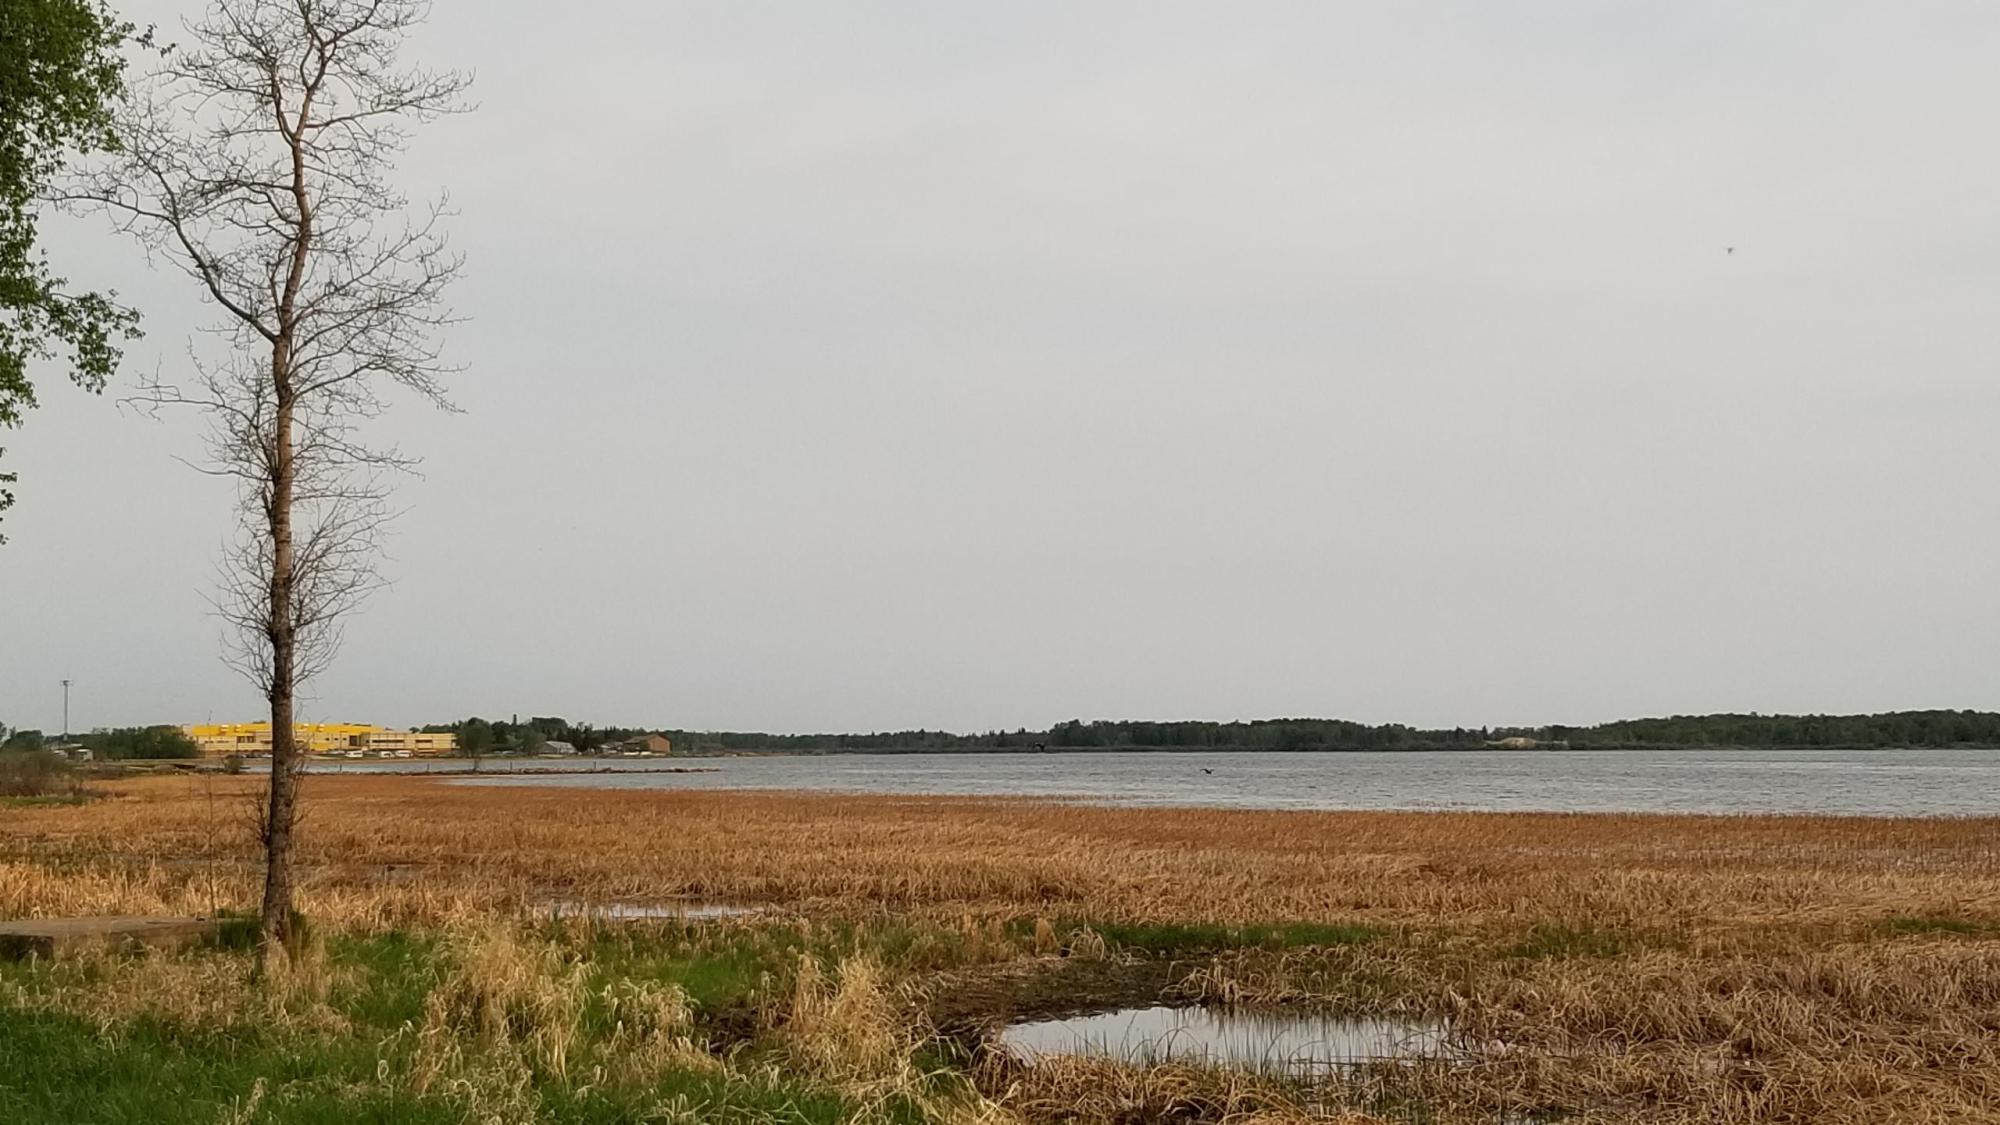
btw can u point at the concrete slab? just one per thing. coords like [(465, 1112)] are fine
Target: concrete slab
[(46, 937)]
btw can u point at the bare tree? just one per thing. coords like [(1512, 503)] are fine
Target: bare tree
[(258, 161)]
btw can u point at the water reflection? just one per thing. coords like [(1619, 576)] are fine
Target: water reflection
[(1270, 1041)]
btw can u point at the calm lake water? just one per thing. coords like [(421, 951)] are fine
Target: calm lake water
[(1869, 782)]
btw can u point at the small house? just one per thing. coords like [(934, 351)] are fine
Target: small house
[(647, 744)]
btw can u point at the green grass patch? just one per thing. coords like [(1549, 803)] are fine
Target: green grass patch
[(241, 932), (397, 971), (235, 931), (58, 1069), (55, 1067), (717, 966)]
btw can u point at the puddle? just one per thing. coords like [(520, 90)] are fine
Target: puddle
[(1269, 1041), (682, 911)]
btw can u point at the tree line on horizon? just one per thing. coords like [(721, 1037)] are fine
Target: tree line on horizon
[(108, 743), (1887, 729)]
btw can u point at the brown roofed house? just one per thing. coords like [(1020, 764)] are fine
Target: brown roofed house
[(647, 744)]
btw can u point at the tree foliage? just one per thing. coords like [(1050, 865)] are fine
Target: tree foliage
[(477, 736), (24, 740), (60, 73), (1892, 729), (163, 741)]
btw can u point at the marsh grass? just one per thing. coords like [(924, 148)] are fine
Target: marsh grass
[(1183, 939), (1614, 969), (487, 1024), (1560, 940), (1100, 1090), (1939, 925), (41, 801), (1010, 860), (502, 994)]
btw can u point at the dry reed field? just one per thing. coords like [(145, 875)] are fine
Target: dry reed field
[(1590, 967), (493, 847)]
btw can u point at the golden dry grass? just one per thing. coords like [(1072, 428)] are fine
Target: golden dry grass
[(401, 849), (1612, 968)]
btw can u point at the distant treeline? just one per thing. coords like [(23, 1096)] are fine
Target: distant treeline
[(1897, 728), (140, 742), (1891, 728), (111, 742)]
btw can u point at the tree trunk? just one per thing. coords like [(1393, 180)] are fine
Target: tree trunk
[(276, 923), (281, 812), (222, 163)]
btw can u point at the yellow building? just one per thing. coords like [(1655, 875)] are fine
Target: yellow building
[(319, 738), (414, 741)]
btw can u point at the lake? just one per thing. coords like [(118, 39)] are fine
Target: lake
[(1860, 782)]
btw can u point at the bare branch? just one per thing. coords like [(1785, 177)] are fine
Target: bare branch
[(259, 162)]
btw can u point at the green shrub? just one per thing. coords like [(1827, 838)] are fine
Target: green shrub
[(37, 773)]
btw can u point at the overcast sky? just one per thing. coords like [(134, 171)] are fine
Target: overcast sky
[(868, 365)]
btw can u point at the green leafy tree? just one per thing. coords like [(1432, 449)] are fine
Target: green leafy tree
[(475, 736), (60, 72), (506, 734), (24, 740), (141, 742)]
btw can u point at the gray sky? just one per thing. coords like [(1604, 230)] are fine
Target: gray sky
[(958, 365)]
